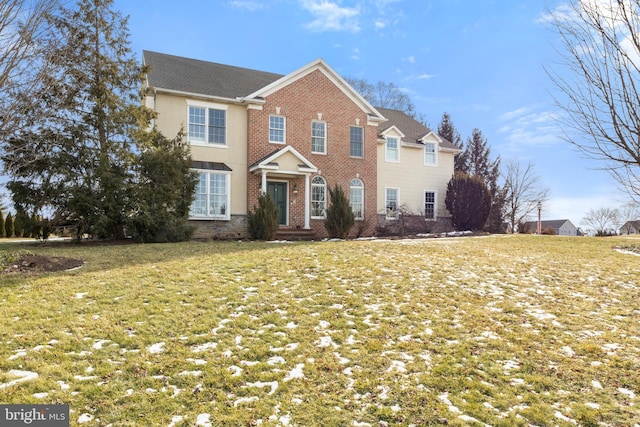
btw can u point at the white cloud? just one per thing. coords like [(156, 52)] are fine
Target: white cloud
[(411, 59), (426, 76), (249, 5), (527, 126), (330, 16), (379, 24)]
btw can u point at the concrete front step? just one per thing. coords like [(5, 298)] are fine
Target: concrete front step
[(295, 234)]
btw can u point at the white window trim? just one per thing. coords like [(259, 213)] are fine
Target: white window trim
[(435, 204), (325, 137), (214, 106), (227, 215), (386, 152), (326, 191), (386, 200), (435, 153), (363, 140), (358, 218), (284, 131)]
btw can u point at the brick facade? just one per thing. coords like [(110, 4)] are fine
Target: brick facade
[(315, 97)]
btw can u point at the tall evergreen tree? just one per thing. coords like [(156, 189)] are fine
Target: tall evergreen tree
[(2, 232), (80, 161), (468, 200), (448, 131), (340, 217), (8, 225), (477, 162), (165, 190)]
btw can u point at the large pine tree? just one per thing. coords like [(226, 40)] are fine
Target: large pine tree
[(448, 131), (476, 161), (79, 162)]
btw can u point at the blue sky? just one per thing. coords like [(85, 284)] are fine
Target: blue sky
[(480, 61)]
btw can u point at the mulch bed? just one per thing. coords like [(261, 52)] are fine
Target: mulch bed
[(41, 263)]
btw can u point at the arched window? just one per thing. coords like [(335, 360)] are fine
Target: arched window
[(356, 198), (318, 197)]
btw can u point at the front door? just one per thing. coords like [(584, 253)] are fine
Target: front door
[(278, 193)]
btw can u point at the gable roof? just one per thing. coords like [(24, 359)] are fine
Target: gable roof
[(413, 130), (188, 75), (554, 223)]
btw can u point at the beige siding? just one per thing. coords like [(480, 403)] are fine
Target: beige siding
[(413, 178), (173, 116)]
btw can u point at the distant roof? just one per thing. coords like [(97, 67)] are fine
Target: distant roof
[(202, 77), (410, 127), (554, 223)]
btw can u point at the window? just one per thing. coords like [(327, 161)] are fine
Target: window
[(392, 154), (356, 198), (356, 142), (430, 205), (276, 129), (207, 125), (212, 196), (391, 202), (318, 196), (430, 153), (319, 137)]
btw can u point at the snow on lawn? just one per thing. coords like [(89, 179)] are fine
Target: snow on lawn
[(426, 331)]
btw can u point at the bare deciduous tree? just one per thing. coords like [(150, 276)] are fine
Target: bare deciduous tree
[(600, 42), (22, 27), (385, 95), (601, 221), (523, 191)]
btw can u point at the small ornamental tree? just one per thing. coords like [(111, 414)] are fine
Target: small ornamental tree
[(1, 224), (8, 225), (340, 217), (468, 200), (263, 220)]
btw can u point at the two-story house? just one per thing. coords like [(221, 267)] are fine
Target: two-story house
[(294, 136)]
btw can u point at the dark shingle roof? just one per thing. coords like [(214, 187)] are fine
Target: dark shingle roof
[(202, 77), (410, 127)]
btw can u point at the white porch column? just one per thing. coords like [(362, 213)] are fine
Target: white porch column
[(263, 186), (307, 198)]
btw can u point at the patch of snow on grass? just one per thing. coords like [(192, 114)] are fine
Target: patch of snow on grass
[(444, 398), (296, 373), (203, 420), (261, 384), (156, 348), (627, 392), (326, 342), (203, 347), (19, 353), (40, 395), (85, 418), (175, 420), (568, 351), (237, 371), (559, 415)]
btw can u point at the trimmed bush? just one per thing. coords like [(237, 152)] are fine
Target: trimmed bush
[(263, 220), (340, 217)]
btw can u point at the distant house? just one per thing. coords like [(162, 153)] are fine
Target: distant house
[(294, 137), (561, 227), (630, 227)]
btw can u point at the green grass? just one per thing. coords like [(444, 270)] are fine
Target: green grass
[(501, 330)]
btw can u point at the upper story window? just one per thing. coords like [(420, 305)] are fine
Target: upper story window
[(277, 129), (356, 198), (356, 141), (318, 196), (430, 205), (207, 125), (430, 156), (319, 137), (211, 199), (392, 152)]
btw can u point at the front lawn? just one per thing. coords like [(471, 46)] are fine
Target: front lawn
[(497, 330)]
